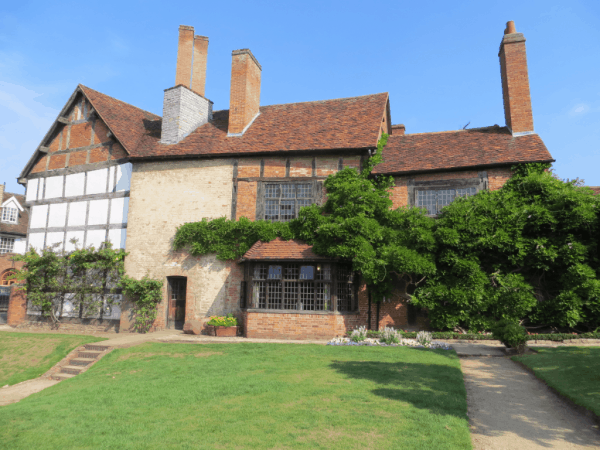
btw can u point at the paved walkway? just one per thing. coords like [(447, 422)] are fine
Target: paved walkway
[(509, 408)]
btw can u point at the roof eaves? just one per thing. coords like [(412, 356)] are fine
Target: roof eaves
[(466, 167)]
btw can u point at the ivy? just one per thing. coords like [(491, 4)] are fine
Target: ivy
[(145, 294), (82, 280)]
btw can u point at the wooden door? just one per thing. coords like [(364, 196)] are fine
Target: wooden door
[(176, 308)]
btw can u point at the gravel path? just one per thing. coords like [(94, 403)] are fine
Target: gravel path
[(511, 409)]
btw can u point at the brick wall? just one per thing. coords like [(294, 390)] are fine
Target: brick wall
[(17, 307), (300, 325), (399, 193), (167, 195)]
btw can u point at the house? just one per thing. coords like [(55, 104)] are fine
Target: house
[(14, 218), (109, 171)]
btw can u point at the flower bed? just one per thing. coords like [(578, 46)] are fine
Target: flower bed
[(390, 338), (449, 335)]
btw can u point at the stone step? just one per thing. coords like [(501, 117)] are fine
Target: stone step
[(96, 347), (90, 354), (62, 376), (82, 361), (75, 370)]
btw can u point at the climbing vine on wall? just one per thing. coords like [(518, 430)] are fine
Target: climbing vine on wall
[(82, 281)]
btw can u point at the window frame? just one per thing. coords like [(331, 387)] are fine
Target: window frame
[(14, 214), (255, 301), (4, 247), (262, 200), (414, 187)]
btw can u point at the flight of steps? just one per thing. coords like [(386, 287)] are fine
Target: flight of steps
[(86, 356)]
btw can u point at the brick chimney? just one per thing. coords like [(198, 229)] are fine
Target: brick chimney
[(2, 186), (184, 107), (398, 129), (515, 82), (244, 100)]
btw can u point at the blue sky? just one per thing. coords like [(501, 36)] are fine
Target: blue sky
[(438, 61)]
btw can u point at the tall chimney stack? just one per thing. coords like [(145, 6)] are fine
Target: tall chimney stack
[(244, 99), (184, 107), (515, 82)]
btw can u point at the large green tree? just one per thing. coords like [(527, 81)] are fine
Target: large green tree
[(527, 252)]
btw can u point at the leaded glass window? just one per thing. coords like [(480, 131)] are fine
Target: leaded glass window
[(303, 287), (435, 200), (284, 200)]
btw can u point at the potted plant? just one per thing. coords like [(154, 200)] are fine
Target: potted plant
[(224, 325)]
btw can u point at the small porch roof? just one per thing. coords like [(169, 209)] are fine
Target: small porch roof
[(279, 249)]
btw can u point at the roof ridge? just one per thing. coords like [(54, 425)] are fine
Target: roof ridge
[(452, 131), (121, 101), (330, 100), (311, 101)]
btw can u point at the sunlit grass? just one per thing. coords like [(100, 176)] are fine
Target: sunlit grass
[(572, 371), (163, 396), (28, 355)]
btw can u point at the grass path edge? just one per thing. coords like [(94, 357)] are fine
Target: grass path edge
[(582, 409)]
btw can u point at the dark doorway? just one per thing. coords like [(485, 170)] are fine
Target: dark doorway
[(176, 307)]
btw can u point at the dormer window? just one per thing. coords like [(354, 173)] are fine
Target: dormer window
[(9, 214)]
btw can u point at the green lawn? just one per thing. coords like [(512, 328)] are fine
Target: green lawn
[(230, 396), (28, 355), (572, 371)]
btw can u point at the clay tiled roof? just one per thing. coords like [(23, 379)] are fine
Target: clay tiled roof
[(347, 123), (596, 189), (128, 123), (19, 228), (478, 147), (280, 249)]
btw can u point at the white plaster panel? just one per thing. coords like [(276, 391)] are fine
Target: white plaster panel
[(111, 178), (95, 238), (123, 177), (69, 246), (98, 214), (19, 246), (38, 216), (77, 211), (75, 184), (117, 237), (96, 182), (55, 238), (32, 186), (54, 187), (36, 240), (119, 208), (58, 215)]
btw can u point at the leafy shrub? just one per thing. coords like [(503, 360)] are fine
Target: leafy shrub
[(390, 336), (223, 321), (511, 334), (359, 334), (145, 294), (424, 338)]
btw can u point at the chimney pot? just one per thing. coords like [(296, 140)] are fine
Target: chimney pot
[(510, 27)]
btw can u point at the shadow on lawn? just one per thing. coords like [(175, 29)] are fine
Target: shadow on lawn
[(437, 388)]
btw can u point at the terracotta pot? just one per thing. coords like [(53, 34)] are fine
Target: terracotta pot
[(225, 331)]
